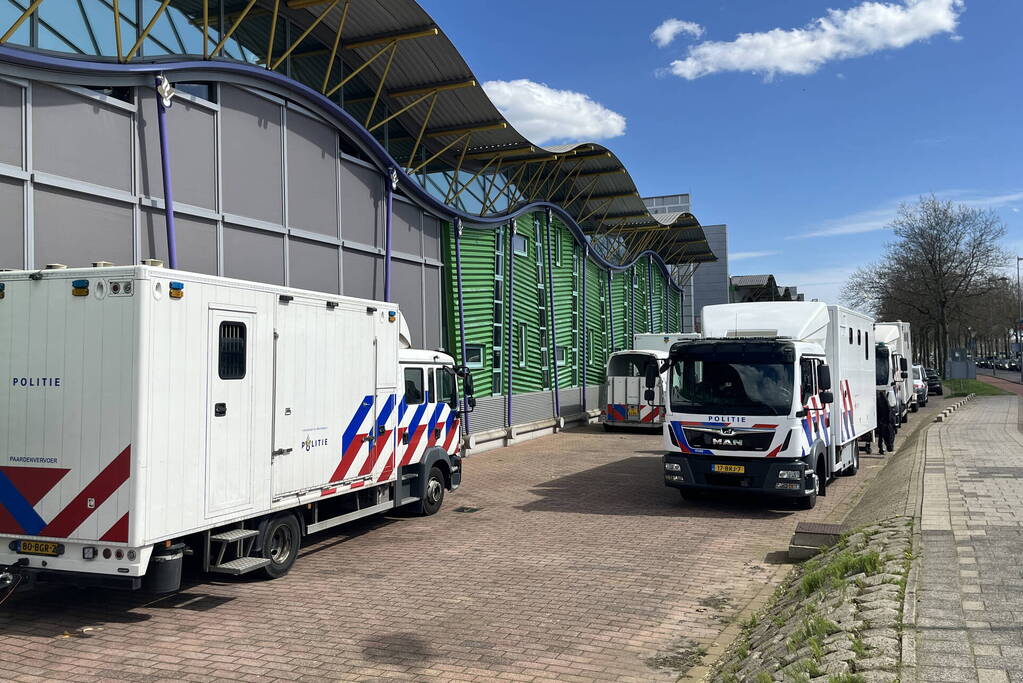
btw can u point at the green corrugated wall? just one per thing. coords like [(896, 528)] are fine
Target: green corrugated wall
[(484, 280)]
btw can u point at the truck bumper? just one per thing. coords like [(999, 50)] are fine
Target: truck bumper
[(763, 475), (27, 578)]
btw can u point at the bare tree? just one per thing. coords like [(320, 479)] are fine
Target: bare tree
[(941, 267)]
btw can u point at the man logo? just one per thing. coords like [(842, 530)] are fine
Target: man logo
[(715, 441)]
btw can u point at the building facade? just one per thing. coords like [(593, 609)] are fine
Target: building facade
[(364, 161)]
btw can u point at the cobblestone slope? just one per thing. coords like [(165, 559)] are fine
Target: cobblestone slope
[(836, 618)]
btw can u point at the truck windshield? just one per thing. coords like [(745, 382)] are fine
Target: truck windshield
[(732, 386), (881, 360), (629, 364)]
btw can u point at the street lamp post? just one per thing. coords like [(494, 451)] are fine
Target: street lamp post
[(1019, 316)]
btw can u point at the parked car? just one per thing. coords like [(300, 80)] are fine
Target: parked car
[(919, 388), (934, 385)]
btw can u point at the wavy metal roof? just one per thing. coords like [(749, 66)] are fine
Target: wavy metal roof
[(389, 65), (397, 43)]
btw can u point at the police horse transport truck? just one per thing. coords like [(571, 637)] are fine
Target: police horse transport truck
[(151, 413)]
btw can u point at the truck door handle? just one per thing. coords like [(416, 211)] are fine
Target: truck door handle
[(219, 409), (405, 437)]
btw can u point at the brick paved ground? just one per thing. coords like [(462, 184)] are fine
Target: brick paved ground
[(579, 565), (970, 608)]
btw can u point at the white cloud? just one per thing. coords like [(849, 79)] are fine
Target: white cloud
[(1015, 209), (879, 218), (670, 28), (747, 255), (543, 114), (842, 34)]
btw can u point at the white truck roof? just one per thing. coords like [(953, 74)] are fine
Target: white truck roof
[(805, 321), (648, 341), (887, 334)]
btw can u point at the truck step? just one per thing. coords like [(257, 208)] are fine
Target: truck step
[(243, 565), (232, 535)]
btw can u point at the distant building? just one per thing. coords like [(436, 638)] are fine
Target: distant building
[(709, 284), (746, 288)]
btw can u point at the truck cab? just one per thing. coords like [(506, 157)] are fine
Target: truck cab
[(624, 404), (753, 407)]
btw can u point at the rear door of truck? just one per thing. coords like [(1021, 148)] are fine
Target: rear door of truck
[(67, 363)]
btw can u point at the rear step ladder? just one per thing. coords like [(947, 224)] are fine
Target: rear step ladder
[(244, 540)]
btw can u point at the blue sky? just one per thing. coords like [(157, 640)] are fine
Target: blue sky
[(803, 137)]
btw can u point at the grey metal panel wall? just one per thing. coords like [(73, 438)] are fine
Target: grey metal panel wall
[(197, 240), (405, 226), (538, 405), (10, 124), (431, 237), (312, 175), (313, 266), (433, 337), (79, 138), (12, 217), (252, 150), (76, 229), (193, 128), (489, 414), (253, 255), (594, 396), (571, 401), (362, 192), (364, 274), (98, 188), (710, 283), (407, 291)]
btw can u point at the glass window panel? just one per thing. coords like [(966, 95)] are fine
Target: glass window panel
[(413, 386), (232, 350), (474, 356)]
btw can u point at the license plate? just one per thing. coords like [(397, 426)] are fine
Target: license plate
[(39, 548), (732, 469)]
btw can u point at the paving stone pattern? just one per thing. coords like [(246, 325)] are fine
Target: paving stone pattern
[(970, 594), (579, 565)]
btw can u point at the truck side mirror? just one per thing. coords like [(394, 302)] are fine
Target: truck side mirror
[(823, 378), (648, 395), (467, 385), (905, 374), (903, 365), (827, 397), (652, 375)]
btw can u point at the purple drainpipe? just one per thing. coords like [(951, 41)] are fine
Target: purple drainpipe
[(461, 306), (650, 290), (611, 308), (511, 330), (391, 178), (168, 194), (586, 257), (552, 362)]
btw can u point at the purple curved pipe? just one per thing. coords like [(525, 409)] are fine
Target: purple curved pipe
[(387, 243), (511, 311), (552, 362), (168, 194), (586, 256), (52, 67), (461, 311)]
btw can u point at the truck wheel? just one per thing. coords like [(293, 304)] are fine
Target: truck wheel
[(807, 502), (690, 495), (280, 538), (433, 492), (914, 407), (852, 469)]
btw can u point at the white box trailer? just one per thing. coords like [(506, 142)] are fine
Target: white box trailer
[(150, 413), (775, 399), (624, 405), (897, 338)]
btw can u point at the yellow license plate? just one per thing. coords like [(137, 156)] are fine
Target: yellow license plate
[(633, 411), (732, 469), (39, 548)]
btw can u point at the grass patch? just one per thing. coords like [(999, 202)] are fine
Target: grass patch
[(810, 633), (860, 648), (957, 388), (763, 677), (835, 572)]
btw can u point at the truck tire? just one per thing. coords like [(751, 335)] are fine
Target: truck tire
[(852, 469), (280, 538), (433, 492), (914, 407)]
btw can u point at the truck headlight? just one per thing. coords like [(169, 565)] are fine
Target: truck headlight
[(790, 474), (672, 467)]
